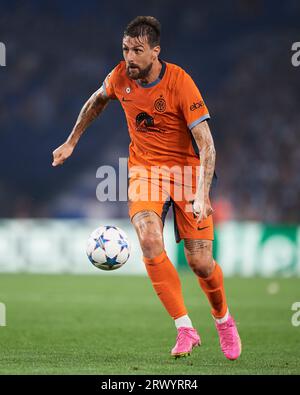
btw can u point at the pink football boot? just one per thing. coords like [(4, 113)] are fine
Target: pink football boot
[(230, 341), (186, 340)]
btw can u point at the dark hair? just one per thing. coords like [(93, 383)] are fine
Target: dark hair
[(144, 26)]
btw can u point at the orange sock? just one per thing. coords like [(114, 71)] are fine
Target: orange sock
[(166, 282), (213, 287)]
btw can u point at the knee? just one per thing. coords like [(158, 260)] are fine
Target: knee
[(149, 229), (151, 244), (201, 264)]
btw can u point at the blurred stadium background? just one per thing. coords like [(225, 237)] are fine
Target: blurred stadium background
[(239, 54), (58, 53)]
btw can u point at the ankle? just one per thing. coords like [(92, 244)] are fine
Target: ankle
[(222, 320), (183, 321)]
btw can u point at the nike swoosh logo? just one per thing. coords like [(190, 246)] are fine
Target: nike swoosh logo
[(123, 99), (204, 227)]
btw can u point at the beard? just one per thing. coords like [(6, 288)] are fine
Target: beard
[(136, 73)]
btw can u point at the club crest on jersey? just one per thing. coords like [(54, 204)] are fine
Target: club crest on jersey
[(160, 104)]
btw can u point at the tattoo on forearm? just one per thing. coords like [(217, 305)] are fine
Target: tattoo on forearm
[(207, 150), (91, 109), (207, 160)]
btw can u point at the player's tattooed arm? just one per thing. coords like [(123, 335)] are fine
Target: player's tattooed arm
[(205, 143), (91, 109)]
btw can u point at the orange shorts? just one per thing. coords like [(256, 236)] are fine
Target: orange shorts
[(157, 196)]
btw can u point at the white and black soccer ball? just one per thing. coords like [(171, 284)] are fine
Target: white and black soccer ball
[(108, 247)]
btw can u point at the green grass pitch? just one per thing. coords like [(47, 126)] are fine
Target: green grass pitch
[(68, 324)]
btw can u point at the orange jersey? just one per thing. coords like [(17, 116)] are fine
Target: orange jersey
[(159, 115)]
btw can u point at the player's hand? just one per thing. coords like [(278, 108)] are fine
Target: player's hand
[(62, 153), (202, 209)]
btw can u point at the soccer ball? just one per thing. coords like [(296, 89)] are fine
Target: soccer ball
[(108, 248)]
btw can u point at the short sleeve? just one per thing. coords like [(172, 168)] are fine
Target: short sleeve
[(109, 84), (191, 102)]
